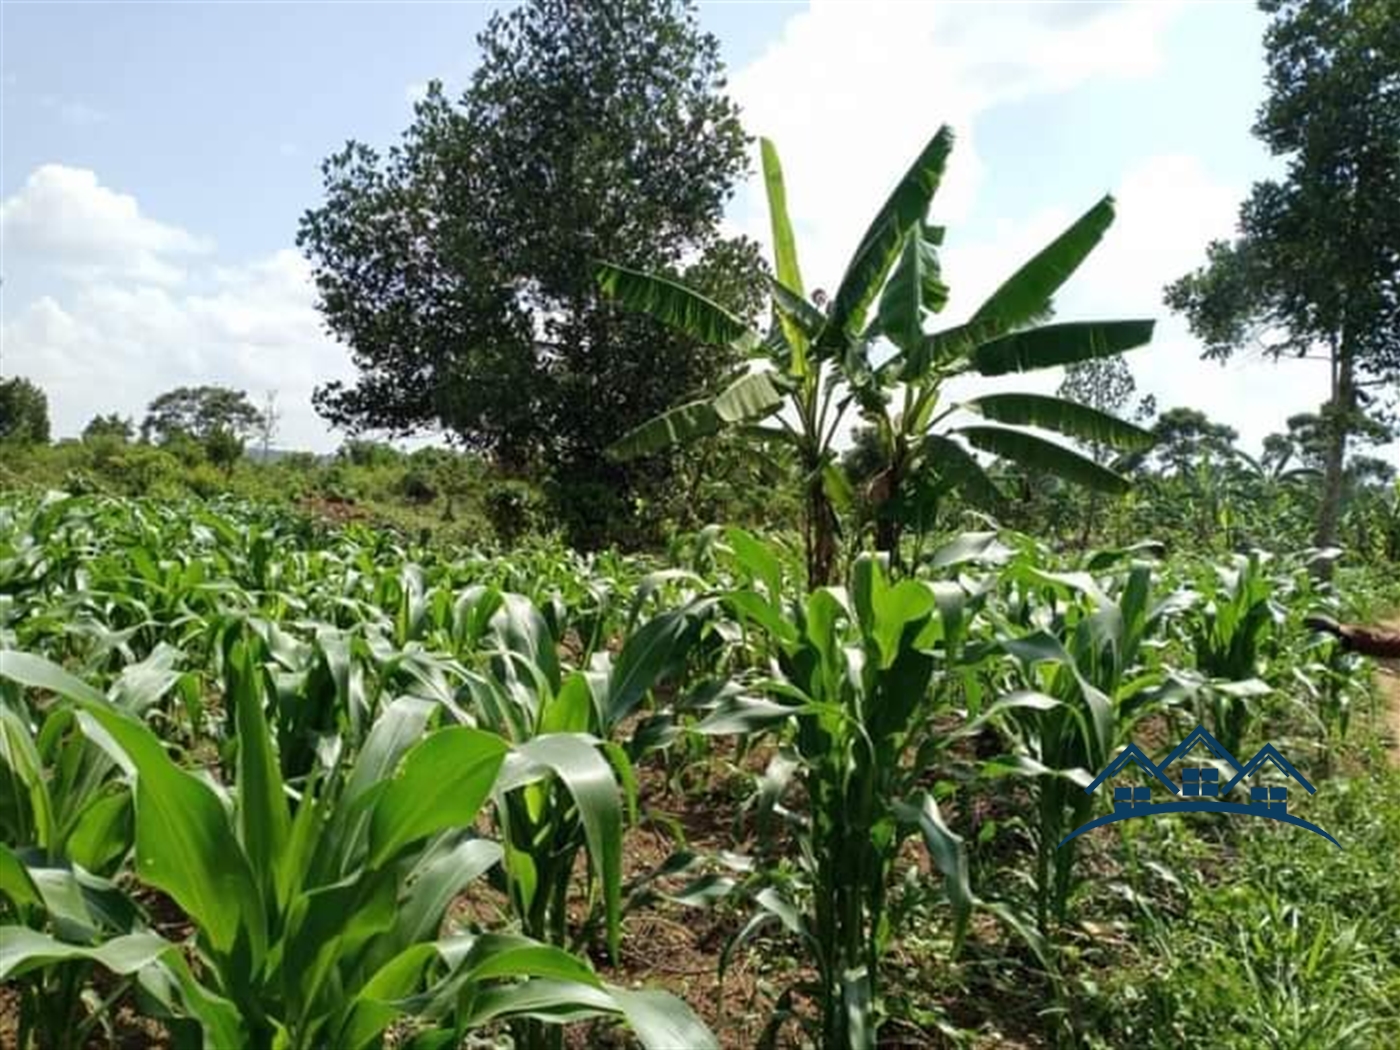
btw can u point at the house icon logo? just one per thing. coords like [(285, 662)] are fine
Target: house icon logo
[(1201, 789)]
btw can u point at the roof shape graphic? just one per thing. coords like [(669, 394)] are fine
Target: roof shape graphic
[(1200, 735), (1267, 753), (1131, 753)]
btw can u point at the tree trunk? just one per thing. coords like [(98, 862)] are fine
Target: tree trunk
[(821, 537), (1339, 421)]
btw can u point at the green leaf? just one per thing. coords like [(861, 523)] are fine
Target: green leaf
[(662, 1021), (647, 653), (436, 881), (442, 784), (522, 628), (799, 310), (142, 685), (837, 486), (866, 272), (970, 546), (788, 274), (23, 949), (676, 426), (38, 673), (678, 306), (958, 468), (946, 849), (1026, 295), (24, 768), (592, 783), (914, 287), (185, 844), (102, 832), (745, 715), (1035, 453), (1065, 417), (951, 344), (894, 608), (751, 396), (1059, 344), (263, 820), (379, 1003), (15, 881)]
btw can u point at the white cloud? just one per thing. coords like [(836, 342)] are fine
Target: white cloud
[(127, 332), (65, 219), (850, 92), (415, 92)]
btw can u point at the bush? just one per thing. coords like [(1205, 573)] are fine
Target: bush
[(418, 486), (205, 481), (141, 470), (514, 508)]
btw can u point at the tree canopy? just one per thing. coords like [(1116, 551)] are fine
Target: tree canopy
[(200, 413), (24, 411), (458, 266), (1315, 268), (112, 426)]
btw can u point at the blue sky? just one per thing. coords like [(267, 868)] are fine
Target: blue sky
[(154, 160)]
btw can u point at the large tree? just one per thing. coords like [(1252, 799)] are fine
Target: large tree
[(201, 413), (24, 412), (458, 267), (1315, 269)]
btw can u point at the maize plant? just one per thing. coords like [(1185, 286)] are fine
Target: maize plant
[(857, 681), (317, 912)]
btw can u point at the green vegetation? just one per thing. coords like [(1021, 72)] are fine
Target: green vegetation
[(277, 783), (567, 737)]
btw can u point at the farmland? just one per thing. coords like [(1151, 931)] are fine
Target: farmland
[(273, 782), (621, 615)]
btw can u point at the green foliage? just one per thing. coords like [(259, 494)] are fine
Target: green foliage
[(24, 412), (1313, 269), (206, 414), (268, 782), (820, 363), (111, 427), (585, 132), (856, 679)]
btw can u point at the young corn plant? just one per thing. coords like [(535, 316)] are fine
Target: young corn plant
[(572, 775), (857, 680), (66, 821), (1231, 632), (318, 913), (1081, 677)]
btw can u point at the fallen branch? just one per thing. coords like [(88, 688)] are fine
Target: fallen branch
[(1368, 641)]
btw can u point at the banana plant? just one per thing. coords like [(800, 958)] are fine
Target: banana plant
[(317, 914), (815, 363), (795, 389), (901, 398)]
